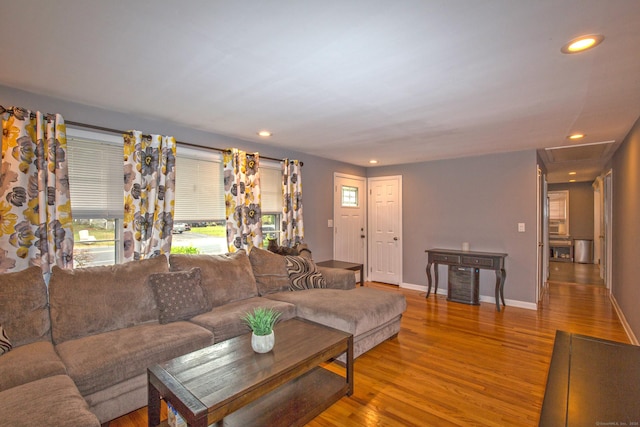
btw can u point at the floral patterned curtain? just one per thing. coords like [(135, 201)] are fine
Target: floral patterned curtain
[(292, 224), (35, 209), (149, 194), (242, 200)]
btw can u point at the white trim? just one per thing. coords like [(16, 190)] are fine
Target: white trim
[(623, 320), (94, 136), (483, 298)]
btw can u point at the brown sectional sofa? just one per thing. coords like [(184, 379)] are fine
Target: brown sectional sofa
[(81, 350)]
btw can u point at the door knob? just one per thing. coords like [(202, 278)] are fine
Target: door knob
[(395, 238)]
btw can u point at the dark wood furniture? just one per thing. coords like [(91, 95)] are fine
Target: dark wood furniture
[(474, 259), (285, 387), (592, 382), (332, 263)]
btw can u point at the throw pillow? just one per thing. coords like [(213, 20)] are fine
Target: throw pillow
[(5, 344), (179, 295), (270, 271), (303, 274)]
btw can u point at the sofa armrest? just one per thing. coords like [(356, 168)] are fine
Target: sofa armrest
[(338, 278)]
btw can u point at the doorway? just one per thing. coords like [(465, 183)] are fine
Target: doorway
[(349, 213), (385, 229)]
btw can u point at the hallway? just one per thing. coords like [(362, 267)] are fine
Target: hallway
[(571, 272)]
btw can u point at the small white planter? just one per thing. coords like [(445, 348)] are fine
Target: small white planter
[(263, 343)]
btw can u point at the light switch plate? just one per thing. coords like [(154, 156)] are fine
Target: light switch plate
[(330, 223), (521, 227)]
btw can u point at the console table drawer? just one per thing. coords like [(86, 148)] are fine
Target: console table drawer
[(483, 262), (440, 258)]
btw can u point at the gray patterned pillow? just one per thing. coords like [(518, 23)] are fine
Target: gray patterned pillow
[(179, 295), (303, 273), (5, 344)]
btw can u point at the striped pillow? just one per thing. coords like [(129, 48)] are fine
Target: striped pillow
[(303, 274), (5, 344)]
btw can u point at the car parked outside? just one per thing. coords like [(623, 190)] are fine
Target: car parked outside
[(180, 227)]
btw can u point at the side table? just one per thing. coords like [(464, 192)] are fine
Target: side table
[(332, 263)]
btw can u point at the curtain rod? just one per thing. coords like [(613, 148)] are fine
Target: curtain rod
[(111, 130)]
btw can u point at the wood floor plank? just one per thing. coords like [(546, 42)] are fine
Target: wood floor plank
[(454, 364)]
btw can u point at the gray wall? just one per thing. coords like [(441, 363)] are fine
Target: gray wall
[(580, 208), (317, 178), (479, 200), (626, 228)]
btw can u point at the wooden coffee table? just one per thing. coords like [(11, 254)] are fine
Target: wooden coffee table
[(285, 387)]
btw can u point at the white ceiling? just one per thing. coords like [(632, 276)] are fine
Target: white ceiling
[(395, 80)]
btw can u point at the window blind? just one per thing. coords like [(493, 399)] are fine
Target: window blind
[(95, 178), (271, 188), (199, 189)]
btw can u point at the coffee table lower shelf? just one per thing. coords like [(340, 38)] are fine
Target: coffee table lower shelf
[(294, 404)]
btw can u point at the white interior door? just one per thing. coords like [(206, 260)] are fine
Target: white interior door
[(349, 206), (385, 229)]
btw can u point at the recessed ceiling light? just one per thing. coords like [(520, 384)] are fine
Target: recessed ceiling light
[(582, 43), (572, 173), (572, 180), (576, 136), (373, 162), (265, 133)]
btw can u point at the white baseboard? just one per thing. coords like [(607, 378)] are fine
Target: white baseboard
[(483, 298), (623, 320)]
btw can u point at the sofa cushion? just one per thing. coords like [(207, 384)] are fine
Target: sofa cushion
[(179, 295), (51, 401), (99, 361), (24, 313), (303, 273), (29, 362), (225, 278), (270, 271), (5, 344), (356, 311), (226, 321), (92, 300)]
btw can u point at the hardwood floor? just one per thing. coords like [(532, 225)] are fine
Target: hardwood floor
[(454, 364), (569, 272)]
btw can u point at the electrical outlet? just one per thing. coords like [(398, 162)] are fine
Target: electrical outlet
[(521, 227)]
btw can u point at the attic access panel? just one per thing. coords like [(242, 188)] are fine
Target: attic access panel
[(579, 152)]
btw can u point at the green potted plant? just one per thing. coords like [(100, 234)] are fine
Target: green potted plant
[(261, 322)]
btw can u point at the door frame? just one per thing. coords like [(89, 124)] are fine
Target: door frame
[(365, 205), (542, 235), (608, 228), (400, 227)]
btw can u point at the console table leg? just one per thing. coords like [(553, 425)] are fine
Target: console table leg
[(428, 280), (435, 275), (498, 281), (503, 277)]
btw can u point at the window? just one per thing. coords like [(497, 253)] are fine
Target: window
[(95, 185), (349, 197), (200, 206), (559, 213), (271, 185), (95, 175)]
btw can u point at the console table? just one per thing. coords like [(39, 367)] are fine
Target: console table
[(473, 259)]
